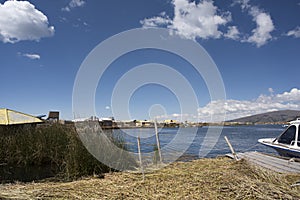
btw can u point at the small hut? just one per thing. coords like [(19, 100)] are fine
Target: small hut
[(53, 116)]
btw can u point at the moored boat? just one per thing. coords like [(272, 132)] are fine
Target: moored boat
[(287, 143)]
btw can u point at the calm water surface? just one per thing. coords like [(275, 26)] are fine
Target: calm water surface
[(242, 138)]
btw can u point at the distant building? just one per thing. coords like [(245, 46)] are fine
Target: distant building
[(171, 123), (106, 123), (125, 124), (145, 123), (92, 118)]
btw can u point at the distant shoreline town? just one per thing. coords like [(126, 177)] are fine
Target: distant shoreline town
[(11, 117)]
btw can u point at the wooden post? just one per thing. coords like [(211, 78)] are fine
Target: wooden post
[(140, 156), (7, 117), (231, 148), (157, 141)]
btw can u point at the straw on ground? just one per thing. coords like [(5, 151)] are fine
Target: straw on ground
[(218, 178)]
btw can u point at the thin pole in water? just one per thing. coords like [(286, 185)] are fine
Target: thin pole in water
[(140, 156), (157, 141)]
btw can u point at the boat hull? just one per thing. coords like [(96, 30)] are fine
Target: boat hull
[(281, 150)]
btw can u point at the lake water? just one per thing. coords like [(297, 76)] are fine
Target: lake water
[(242, 138)]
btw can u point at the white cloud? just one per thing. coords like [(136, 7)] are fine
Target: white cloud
[(203, 20), (244, 4), (264, 103), (292, 96), (232, 33), (264, 24), (107, 107), (295, 32), (161, 20), (32, 56), (73, 4), (20, 20), (215, 110), (192, 20), (271, 90)]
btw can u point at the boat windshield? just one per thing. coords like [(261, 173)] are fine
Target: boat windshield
[(288, 136), (298, 140)]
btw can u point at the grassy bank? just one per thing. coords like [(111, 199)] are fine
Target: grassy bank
[(218, 178), (55, 149)]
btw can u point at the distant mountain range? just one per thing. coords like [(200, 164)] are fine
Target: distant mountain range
[(270, 117)]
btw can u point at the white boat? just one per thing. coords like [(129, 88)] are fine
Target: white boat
[(287, 143)]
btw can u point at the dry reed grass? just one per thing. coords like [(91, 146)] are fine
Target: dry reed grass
[(55, 146), (219, 178)]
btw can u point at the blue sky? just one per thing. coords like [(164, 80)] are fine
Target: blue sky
[(255, 45)]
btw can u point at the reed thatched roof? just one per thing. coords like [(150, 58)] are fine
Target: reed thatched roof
[(11, 117)]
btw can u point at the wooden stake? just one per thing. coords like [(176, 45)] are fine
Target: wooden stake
[(231, 148), (140, 156), (157, 141)]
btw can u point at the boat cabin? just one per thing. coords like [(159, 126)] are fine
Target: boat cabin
[(291, 135)]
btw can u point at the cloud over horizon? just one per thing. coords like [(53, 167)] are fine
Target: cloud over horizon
[(234, 109), (241, 108), (20, 20)]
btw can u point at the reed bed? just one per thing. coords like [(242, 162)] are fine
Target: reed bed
[(219, 178), (54, 148)]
